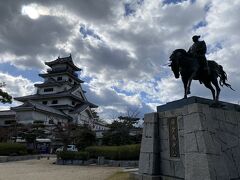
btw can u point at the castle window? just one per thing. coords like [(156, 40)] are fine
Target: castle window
[(48, 89), (38, 122), (44, 102), (50, 121), (59, 78), (54, 101), (73, 103), (9, 122)]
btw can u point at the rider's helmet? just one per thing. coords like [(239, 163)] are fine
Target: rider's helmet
[(195, 38)]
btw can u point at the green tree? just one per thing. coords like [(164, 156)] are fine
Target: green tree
[(30, 132), (119, 130), (128, 121), (72, 133), (4, 96), (9, 131), (118, 134), (84, 137), (65, 130)]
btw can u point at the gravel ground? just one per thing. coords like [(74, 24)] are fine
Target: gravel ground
[(45, 170)]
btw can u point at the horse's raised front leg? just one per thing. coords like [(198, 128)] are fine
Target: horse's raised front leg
[(189, 83)]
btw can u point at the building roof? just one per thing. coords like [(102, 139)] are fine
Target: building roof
[(62, 73), (64, 60), (80, 108), (47, 96), (100, 123), (50, 82), (53, 83), (62, 107), (91, 105), (31, 105), (7, 113), (67, 93)]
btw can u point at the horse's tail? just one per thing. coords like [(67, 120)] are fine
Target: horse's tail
[(223, 77)]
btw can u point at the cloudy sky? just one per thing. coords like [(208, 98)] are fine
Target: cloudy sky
[(122, 46)]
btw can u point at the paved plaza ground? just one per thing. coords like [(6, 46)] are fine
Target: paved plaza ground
[(45, 170)]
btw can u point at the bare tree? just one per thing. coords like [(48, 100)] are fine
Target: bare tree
[(130, 117), (120, 128), (133, 112)]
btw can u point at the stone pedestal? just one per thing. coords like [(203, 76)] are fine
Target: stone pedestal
[(191, 139)]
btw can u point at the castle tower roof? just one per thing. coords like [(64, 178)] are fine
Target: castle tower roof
[(64, 60)]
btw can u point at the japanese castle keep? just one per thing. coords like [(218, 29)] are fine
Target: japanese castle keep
[(59, 98)]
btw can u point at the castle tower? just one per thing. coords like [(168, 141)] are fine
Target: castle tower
[(59, 97)]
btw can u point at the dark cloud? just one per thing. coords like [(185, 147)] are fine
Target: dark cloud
[(102, 59), (109, 98), (23, 35), (106, 57), (9, 10), (31, 39), (100, 11)]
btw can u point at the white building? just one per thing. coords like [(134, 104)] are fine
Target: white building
[(99, 128), (7, 117), (59, 98)]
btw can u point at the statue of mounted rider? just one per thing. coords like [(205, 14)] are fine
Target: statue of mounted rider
[(193, 65)]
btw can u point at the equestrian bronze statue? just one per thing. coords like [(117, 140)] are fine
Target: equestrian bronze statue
[(193, 65)]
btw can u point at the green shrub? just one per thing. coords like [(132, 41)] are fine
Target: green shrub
[(68, 155), (126, 152), (7, 149)]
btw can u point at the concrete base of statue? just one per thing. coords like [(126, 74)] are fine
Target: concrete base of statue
[(191, 139)]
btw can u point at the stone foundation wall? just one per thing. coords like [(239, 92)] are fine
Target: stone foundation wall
[(214, 137), (191, 140)]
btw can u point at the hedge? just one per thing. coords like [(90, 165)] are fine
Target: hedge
[(7, 149), (125, 152), (68, 155)]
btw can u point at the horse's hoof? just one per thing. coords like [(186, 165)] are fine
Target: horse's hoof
[(189, 92), (217, 104), (214, 105)]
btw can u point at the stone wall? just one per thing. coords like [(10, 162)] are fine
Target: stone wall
[(105, 162), (192, 140), (4, 159), (212, 142), (149, 156)]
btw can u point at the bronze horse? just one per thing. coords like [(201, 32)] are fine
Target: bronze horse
[(189, 69)]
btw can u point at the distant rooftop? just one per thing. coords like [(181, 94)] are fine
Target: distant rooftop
[(7, 113), (37, 106)]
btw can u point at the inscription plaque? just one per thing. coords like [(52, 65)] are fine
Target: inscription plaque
[(173, 137)]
